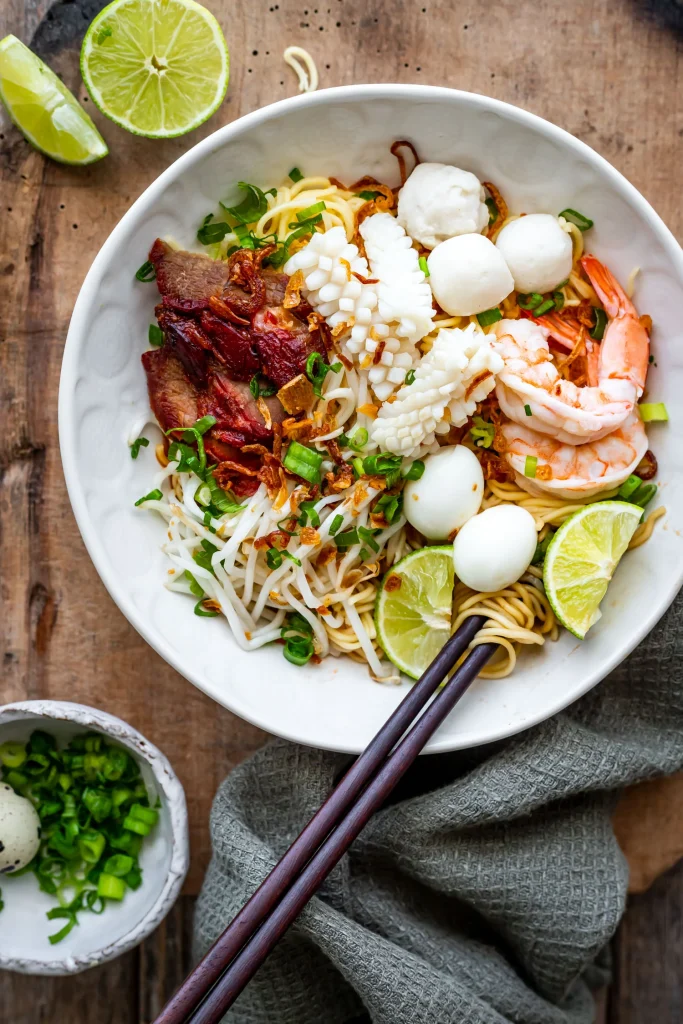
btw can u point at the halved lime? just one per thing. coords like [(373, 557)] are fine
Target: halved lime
[(157, 67), (44, 110), (581, 559), (414, 607)]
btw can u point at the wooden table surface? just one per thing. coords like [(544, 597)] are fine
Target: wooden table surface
[(609, 71)]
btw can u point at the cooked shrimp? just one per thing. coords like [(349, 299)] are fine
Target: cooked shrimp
[(530, 390), (573, 470)]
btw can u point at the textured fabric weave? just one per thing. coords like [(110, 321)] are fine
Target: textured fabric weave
[(482, 894)]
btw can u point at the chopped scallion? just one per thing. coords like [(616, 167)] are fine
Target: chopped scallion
[(629, 487), (530, 464), (653, 412), (146, 272), (423, 266), (303, 461), (598, 330), (273, 558), (310, 211), (155, 336), (545, 307), (531, 301), (416, 470), (527, 410), (574, 217), (154, 495), (410, 377), (138, 443), (335, 524), (489, 316), (295, 175)]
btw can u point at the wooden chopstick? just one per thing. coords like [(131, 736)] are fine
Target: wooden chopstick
[(268, 902)]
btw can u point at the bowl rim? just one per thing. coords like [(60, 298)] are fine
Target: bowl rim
[(173, 795), (202, 149)]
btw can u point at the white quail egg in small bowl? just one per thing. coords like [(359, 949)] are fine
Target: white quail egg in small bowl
[(93, 837)]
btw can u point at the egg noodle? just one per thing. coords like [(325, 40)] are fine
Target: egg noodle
[(333, 589)]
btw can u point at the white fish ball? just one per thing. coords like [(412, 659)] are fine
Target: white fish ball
[(468, 275), (537, 251)]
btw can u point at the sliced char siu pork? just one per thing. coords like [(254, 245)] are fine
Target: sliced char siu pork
[(224, 324)]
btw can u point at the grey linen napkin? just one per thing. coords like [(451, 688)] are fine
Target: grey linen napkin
[(483, 894)]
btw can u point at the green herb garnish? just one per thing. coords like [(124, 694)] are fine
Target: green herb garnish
[(138, 443)]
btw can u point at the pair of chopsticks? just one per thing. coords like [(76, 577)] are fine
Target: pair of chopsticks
[(212, 987)]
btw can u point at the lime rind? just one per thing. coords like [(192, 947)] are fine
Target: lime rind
[(46, 113), (414, 622), (156, 69), (581, 560)]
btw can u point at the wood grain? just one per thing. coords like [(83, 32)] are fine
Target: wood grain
[(609, 71)]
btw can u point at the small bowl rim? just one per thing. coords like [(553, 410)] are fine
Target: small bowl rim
[(171, 791), (218, 139)]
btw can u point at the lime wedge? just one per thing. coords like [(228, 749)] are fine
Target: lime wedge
[(44, 110), (581, 559), (413, 611), (157, 67)]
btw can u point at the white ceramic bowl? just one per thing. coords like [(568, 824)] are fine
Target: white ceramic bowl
[(164, 859), (347, 132)]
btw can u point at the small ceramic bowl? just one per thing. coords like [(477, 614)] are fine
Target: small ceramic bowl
[(24, 929)]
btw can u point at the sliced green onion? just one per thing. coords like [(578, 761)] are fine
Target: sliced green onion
[(529, 301), (629, 487), (653, 412), (316, 371), (203, 495), (367, 537), (211, 231), (12, 754), (530, 464), (369, 195), (489, 316), (558, 299), (273, 558), (298, 650), (574, 217), (416, 470), (310, 211), (598, 330), (119, 865), (154, 495), (63, 932), (335, 367), (644, 495), (110, 887), (545, 307), (283, 529), (493, 210), (202, 612), (290, 556), (204, 424), (138, 443), (296, 623), (140, 828), (357, 464), (335, 524), (252, 207), (358, 440), (381, 464), (146, 272), (527, 410), (390, 506), (308, 513), (346, 539), (482, 433), (91, 846), (295, 175), (304, 462), (155, 335), (423, 266)]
